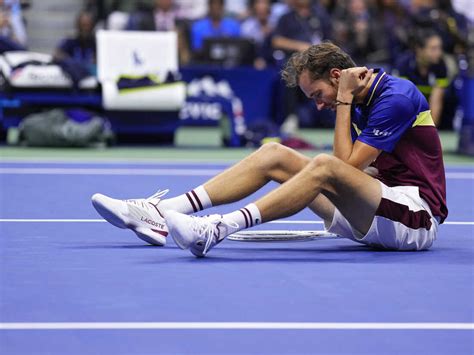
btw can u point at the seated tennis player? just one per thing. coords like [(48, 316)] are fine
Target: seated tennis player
[(384, 185)]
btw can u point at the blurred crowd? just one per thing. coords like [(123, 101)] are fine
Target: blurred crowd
[(423, 40)]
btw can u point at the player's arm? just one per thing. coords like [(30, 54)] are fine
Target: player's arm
[(358, 154)]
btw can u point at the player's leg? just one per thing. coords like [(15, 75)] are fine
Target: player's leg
[(271, 162), (145, 216), (354, 193)]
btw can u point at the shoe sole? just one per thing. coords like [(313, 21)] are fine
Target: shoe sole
[(122, 222)]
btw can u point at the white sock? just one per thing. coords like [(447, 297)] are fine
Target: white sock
[(192, 201), (246, 217)]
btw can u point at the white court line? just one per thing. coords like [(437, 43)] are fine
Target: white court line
[(459, 175), (151, 172), (119, 161), (56, 220), (236, 326), (50, 220), (93, 171)]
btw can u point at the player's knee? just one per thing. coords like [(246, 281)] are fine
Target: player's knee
[(323, 159), (321, 167), (323, 162), (273, 154), (270, 148)]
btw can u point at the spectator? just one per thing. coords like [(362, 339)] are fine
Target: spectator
[(441, 16), (454, 26), (191, 9), (257, 27), (12, 28), (329, 5), (300, 28), (99, 10), (161, 17), (306, 24), (393, 22), (280, 8), (214, 25), (426, 69), (82, 47), (357, 32)]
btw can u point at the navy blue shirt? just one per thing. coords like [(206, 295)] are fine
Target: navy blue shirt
[(436, 76), (312, 30), (79, 50)]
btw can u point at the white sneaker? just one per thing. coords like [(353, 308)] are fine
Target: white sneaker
[(199, 234), (140, 215)]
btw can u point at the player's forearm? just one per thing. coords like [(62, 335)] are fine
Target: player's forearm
[(342, 147)]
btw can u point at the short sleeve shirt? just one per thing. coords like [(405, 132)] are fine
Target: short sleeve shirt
[(396, 119)]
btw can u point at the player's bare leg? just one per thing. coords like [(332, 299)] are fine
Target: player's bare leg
[(272, 162), (355, 194)]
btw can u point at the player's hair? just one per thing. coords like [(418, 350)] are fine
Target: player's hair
[(318, 60)]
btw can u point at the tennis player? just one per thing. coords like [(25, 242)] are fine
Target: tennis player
[(384, 185)]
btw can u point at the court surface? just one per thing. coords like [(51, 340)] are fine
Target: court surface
[(72, 284)]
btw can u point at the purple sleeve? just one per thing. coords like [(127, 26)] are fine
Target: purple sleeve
[(389, 119)]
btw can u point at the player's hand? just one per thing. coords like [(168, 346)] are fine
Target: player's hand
[(352, 81)]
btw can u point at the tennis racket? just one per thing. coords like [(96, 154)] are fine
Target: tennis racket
[(280, 236)]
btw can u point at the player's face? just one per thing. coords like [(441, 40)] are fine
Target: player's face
[(323, 92)]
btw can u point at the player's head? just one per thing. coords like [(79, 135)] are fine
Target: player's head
[(428, 47), (316, 71)]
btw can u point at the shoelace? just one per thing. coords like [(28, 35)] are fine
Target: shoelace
[(141, 201), (158, 194), (206, 227)]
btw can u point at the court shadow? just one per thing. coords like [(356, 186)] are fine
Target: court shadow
[(336, 254)]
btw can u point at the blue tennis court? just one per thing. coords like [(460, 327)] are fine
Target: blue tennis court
[(72, 284)]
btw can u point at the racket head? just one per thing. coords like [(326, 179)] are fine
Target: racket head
[(276, 236)]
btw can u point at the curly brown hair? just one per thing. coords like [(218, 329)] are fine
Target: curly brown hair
[(318, 60)]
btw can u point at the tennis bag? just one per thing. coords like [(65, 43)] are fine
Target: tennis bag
[(55, 128)]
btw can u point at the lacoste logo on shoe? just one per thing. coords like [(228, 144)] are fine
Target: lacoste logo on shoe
[(153, 223)]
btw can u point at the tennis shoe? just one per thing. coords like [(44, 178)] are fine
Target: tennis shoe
[(198, 234), (142, 216)]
